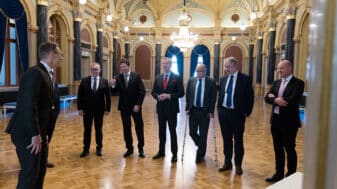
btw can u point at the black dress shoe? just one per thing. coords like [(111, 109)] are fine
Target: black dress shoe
[(158, 155), (238, 170), (99, 152), (174, 159), (289, 173), (141, 154), (50, 165), (199, 159), (128, 153), (274, 178), (225, 167), (84, 153)]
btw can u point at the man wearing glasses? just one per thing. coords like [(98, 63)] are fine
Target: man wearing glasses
[(93, 102)]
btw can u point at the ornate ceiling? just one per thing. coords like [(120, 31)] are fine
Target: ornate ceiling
[(164, 13)]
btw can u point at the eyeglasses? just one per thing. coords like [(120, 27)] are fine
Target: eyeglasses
[(94, 69)]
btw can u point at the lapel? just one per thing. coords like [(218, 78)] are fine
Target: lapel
[(46, 76), (194, 85), (289, 86), (131, 77)]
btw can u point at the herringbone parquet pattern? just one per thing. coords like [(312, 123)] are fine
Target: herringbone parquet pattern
[(114, 171)]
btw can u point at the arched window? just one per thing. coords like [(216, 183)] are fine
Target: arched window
[(200, 54), (177, 59), (9, 75)]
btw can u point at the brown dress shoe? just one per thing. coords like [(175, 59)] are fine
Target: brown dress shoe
[(225, 167)]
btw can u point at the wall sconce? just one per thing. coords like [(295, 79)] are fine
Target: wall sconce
[(141, 38), (126, 28), (233, 38), (109, 17)]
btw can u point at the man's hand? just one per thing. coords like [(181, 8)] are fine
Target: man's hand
[(187, 112), (210, 115), (280, 101), (136, 108), (164, 96), (81, 113), (106, 113), (35, 145), (112, 82)]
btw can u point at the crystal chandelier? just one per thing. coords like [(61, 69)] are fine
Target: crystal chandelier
[(184, 39)]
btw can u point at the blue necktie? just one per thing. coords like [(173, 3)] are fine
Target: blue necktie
[(94, 87), (229, 92), (198, 102)]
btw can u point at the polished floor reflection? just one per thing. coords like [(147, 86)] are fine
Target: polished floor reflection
[(114, 171)]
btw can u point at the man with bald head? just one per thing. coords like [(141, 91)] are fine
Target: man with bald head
[(285, 95), (200, 103)]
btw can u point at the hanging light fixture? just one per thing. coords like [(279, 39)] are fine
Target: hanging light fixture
[(83, 2), (184, 39)]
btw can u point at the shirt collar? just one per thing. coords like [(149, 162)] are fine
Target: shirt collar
[(288, 78), (48, 68)]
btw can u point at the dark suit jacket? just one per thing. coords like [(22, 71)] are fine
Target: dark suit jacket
[(33, 105), (91, 102), (209, 94), (133, 94), (174, 87), (292, 94), (243, 94)]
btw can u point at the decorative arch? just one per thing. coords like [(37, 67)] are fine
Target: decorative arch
[(29, 10), (196, 51), (91, 30), (235, 51), (140, 43), (243, 46), (172, 50), (143, 61), (67, 19)]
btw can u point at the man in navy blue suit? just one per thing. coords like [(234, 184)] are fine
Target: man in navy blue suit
[(235, 103)]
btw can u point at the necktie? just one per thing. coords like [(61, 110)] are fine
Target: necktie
[(165, 82), (229, 92), (280, 94), (198, 101), (94, 86), (126, 79)]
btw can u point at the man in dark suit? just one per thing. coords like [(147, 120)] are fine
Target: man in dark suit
[(285, 95), (167, 89), (131, 95), (200, 103), (93, 102), (29, 123), (235, 103), (54, 114)]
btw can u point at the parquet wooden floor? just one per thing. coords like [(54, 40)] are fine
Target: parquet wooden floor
[(114, 171)]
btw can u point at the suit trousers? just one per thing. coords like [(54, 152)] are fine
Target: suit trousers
[(139, 127), (88, 118), (232, 125), (284, 139), (199, 121), (33, 167), (171, 119)]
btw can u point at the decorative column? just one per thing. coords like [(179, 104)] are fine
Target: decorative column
[(42, 22), (216, 61), (77, 43), (271, 56), (259, 60), (115, 56), (99, 49), (251, 61), (127, 49), (290, 35), (158, 58)]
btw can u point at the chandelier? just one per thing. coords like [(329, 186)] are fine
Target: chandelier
[(184, 39)]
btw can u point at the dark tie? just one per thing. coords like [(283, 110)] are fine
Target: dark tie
[(126, 79), (229, 92), (198, 101), (94, 86), (165, 82)]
